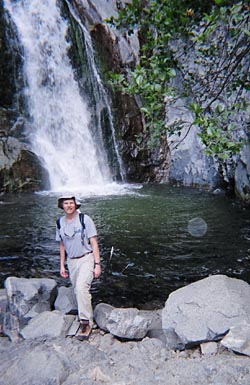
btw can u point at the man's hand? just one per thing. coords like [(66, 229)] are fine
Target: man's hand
[(63, 272), (97, 271)]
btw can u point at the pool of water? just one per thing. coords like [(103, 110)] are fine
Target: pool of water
[(153, 240)]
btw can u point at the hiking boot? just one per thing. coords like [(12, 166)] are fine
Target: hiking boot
[(84, 330)]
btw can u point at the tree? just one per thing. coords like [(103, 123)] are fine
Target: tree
[(216, 35)]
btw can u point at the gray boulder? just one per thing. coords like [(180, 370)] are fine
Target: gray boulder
[(29, 297), (66, 301), (129, 323), (205, 310), (238, 339), (48, 324)]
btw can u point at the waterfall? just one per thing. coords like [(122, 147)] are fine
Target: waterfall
[(102, 102), (59, 129)]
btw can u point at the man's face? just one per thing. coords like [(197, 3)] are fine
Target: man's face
[(69, 206)]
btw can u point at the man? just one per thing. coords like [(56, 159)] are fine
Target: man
[(79, 242)]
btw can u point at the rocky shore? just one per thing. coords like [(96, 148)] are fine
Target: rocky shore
[(201, 336)]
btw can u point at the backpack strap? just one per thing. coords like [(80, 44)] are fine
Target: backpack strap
[(81, 217), (58, 223)]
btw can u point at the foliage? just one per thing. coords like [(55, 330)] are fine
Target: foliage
[(220, 45)]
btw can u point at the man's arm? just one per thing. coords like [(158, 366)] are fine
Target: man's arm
[(63, 271), (95, 247)]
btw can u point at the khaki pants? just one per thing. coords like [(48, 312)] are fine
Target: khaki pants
[(81, 272)]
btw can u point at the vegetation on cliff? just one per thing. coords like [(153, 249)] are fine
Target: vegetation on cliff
[(214, 36)]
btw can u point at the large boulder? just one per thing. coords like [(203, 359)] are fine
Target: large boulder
[(26, 299), (24, 171), (205, 310), (127, 323), (66, 301), (48, 324)]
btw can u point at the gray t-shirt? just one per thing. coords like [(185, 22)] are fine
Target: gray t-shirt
[(71, 234)]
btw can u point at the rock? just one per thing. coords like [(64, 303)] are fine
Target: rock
[(48, 324), (242, 175), (155, 328), (29, 297), (11, 327), (189, 164), (70, 362), (238, 339), (205, 310), (56, 361), (127, 323), (209, 348), (3, 307), (65, 301)]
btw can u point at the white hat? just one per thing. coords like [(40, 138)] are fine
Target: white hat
[(68, 196)]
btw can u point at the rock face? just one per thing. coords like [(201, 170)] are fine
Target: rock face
[(242, 175), (205, 310), (189, 165)]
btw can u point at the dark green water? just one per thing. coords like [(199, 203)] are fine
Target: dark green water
[(154, 253)]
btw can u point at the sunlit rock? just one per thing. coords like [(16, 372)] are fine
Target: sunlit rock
[(29, 297), (48, 324), (127, 323), (205, 310), (238, 339)]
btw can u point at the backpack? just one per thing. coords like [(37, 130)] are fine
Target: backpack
[(81, 217)]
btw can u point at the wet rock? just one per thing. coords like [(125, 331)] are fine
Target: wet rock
[(11, 62), (205, 310)]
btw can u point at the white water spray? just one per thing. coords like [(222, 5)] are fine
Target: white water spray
[(59, 117)]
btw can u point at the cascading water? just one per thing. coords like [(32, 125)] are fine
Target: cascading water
[(102, 102), (59, 118)]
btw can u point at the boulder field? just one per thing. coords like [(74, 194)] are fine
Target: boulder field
[(201, 336)]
